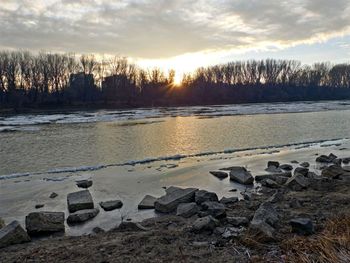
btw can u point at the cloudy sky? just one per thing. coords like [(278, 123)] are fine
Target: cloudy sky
[(181, 33)]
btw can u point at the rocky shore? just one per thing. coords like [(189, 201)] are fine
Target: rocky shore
[(288, 213)]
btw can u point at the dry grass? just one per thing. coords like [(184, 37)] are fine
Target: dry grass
[(331, 245)]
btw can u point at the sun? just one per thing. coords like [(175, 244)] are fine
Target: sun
[(177, 79)]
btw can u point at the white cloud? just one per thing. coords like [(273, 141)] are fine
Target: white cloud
[(163, 28)]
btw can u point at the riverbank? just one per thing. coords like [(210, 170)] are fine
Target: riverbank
[(257, 228)]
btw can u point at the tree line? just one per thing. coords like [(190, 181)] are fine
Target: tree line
[(54, 80)]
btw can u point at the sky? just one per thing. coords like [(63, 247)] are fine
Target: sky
[(181, 34)]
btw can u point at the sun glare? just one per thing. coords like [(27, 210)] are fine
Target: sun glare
[(177, 79)]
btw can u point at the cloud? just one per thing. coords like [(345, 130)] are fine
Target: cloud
[(163, 28)]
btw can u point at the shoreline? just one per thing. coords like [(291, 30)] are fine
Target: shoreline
[(169, 237), (131, 183)]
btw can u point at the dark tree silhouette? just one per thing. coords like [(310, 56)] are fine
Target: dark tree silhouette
[(55, 80)]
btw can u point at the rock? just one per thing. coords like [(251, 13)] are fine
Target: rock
[(272, 176), (266, 213), (84, 183), (147, 202), (39, 206), (276, 197), (263, 231), (301, 170), (332, 156), (53, 195), (173, 198), (281, 180), (294, 161), (337, 161), (237, 221), (273, 164), (214, 209), (263, 177), (111, 205), (233, 190), (130, 226), (311, 175), (241, 175), (79, 201), (207, 223), (326, 159), (302, 226), (305, 165), (171, 189), (13, 234), (202, 196), (346, 160), (82, 215), (297, 183), (246, 195), (187, 209), (98, 230), (322, 184), (229, 200), (264, 220), (2, 223), (334, 171), (39, 223), (219, 174), (286, 167), (270, 183)]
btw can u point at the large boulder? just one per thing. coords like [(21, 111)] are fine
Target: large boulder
[(187, 209), (297, 182), (111, 205), (334, 171), (12, 234), (241, 175), (264, 221), (79, 201), (39, 223), (302, 226), (207, 223), (202, 196), (214, 209), (82, 215), (169, 202), (266, 213), (219, 174), (147, 202)]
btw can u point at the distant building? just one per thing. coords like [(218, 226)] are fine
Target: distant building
[(118, 87), (82, 87)]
